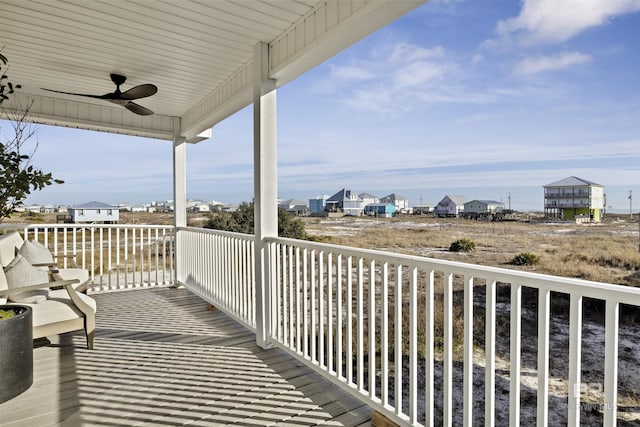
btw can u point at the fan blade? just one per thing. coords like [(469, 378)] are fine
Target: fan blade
[(105, 96), (141, 91), (138, 109)]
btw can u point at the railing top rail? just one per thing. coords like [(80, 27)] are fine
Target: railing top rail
[(598, 290), (116, 226), (241, 236)]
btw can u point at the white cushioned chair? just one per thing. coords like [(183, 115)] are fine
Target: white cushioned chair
[(54, 311), (38, 255)]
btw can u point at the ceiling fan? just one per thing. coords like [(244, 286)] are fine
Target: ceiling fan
[(123, 98)]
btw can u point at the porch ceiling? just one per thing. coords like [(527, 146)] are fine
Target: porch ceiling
[(198, 53)]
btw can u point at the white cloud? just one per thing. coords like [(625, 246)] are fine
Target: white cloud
[(393, 74), (538, 64), (555, 21)]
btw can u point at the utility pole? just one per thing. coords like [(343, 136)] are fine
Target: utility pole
[(630, 205), (509, 201)]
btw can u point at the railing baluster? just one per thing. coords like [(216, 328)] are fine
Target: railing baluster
[(447, 404), (398, 339), (321, 292), (413, 346), (430, 350), (339, 320), (349, 302), (384, 348), (514, 374), (575, 352), (544, 310), (611, 363), (372, 309), (467, 382), (330, 326), (490, 354), (360, 325)]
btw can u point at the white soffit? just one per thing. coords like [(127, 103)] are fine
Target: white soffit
[(198, 53)]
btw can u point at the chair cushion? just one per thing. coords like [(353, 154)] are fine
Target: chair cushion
[(35, 252), (20, 273), (9, 245)]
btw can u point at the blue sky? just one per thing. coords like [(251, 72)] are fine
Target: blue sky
[(484, 99)]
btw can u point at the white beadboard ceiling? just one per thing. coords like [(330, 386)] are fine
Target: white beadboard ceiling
[(198, 53)]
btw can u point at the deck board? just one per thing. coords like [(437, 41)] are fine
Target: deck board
[(162, 358)]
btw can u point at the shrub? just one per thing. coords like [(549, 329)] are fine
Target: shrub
[(525, 258), (241, 221), (463, 245)]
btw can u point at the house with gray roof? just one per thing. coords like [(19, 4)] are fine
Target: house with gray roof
[(574, 198), (345, 201), (94, 212), (450, 205)]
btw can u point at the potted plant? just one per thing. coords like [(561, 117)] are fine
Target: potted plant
[(16, 350)]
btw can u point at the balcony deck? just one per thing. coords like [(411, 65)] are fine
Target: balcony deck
[(163, 358)]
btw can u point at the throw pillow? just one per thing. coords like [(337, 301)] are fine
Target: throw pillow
[(35, 252), (20, 273)]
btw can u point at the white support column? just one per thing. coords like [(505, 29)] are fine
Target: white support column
[(265, 161), (179, 176), (179, 190)]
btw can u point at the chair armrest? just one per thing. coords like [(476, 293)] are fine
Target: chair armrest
[(44, 264), (71, 257), (5, 292)]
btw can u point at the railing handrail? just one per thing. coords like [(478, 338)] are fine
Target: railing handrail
[(241, 236), (586, 288)]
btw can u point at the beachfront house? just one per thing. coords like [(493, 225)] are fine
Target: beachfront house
[(294, 206), (203, 327), (317, 204), (345, 201), (94, 212), (450, 205), (401, 203), (483, 207), (381, 210), (368, 199), (574, 198)]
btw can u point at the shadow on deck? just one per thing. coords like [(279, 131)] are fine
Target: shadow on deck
[(162, 358)]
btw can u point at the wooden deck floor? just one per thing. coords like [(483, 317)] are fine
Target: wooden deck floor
[(163, 359)]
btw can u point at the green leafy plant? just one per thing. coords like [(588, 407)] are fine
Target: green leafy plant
[(6, 314), (525, 258), (18, 177), (6, 87), (463, 245)]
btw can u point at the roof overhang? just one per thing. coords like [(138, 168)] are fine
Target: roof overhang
[(200, 55)]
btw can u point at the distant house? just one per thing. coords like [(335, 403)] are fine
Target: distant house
[(345, 201), (572, 198), (94, 212), (450, 205), (483, 207), (382, 210), (368, 199), (317, 204), (401, 203), (294, 206), (422, 210)]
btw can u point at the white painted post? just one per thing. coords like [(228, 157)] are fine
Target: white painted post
[(179, 193), (265, 188), (179, 176)]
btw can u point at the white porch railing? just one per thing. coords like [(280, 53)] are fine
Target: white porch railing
[(218, 266), (116, 256), (418, 339), (368, 320)]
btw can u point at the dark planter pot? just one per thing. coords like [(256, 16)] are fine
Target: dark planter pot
[(16, 352)]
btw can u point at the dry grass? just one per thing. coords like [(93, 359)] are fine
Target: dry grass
[(606, 252)]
